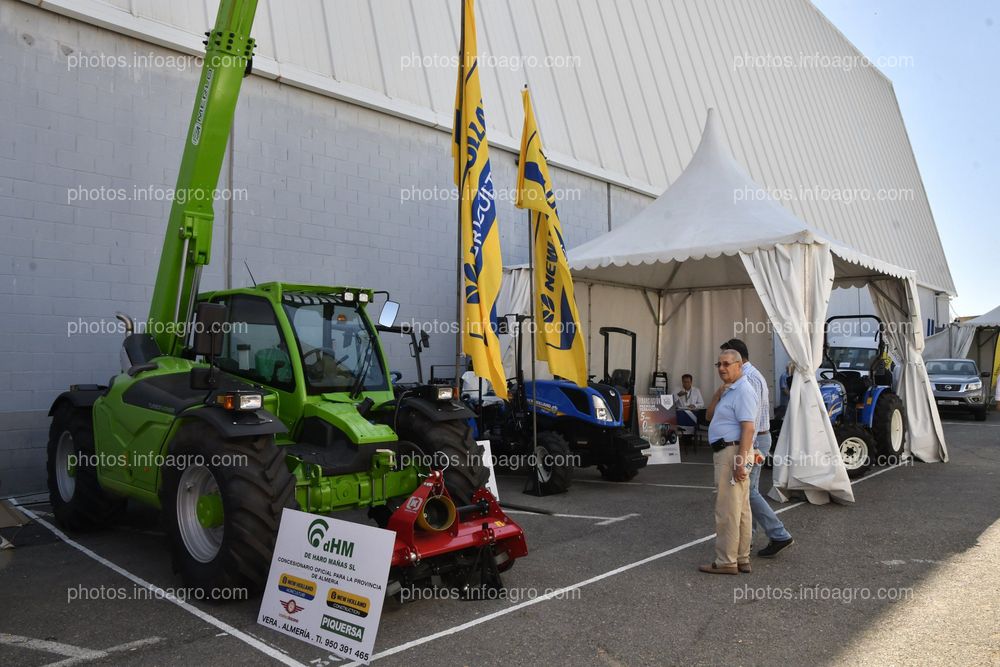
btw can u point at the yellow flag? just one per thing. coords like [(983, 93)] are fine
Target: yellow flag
[(481, 261), (558, 337)]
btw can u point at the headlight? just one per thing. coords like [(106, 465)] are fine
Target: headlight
[(601, 410), (445, 393), (240, 401), (974, 386), (363, 297), (348, 296)]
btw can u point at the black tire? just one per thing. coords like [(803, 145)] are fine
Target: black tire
[(86, 506), (980, 414), (889, 404), (857, 447), (255, 485), (452, 448), (618, 471), (553, 465)]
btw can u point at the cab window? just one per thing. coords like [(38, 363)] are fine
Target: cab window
[(253, 347)]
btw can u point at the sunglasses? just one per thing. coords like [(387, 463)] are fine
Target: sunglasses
[(724, 364)]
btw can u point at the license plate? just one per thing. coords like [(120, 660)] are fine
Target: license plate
[(948, 402)]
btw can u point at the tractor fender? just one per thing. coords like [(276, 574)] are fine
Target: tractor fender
[(437, 411), (867, 416), (79, 396), (230, 424)]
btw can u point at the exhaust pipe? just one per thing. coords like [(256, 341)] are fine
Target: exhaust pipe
[(437, 515)]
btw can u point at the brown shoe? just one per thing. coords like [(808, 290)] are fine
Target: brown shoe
[(744, 568), (713, 568)]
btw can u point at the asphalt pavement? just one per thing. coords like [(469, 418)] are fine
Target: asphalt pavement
[(907, 575)]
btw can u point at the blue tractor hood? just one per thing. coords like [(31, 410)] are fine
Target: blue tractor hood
[(561, 399)]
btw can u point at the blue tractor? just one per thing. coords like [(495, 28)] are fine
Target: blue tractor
[(857, 387), (577, 426)]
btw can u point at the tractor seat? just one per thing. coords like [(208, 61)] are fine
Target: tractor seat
[(855, 384), (621, 379), (273, 364)]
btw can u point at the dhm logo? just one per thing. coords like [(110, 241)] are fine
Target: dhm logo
[(317, 531)]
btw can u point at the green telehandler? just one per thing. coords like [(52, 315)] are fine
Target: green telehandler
[(233, 405)]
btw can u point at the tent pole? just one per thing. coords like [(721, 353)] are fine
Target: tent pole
[(659, 328)]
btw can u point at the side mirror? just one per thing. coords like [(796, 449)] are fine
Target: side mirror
[(425, 340), (388, 315), (985, 375), (209, 318)]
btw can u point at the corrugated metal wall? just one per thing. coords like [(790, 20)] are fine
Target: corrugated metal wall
[(621, 88)]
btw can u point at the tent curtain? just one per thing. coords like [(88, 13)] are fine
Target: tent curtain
[(896, 302), (794, 281), (952, 343), (696, 323)]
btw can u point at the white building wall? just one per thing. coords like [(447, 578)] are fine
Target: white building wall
[(621, 91)]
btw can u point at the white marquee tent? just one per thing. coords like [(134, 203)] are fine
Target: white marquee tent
[(718, 253), (973, 339)]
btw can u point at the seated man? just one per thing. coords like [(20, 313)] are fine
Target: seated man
[(689, 403)]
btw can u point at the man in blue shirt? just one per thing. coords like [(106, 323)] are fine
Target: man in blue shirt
[(733, 414), (779, 538)]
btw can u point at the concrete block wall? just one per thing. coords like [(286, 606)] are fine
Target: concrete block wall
[(334, 194)]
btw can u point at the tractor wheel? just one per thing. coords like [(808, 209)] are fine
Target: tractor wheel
[(617, 471), (889, 426), (552, 463), (222, 502), (78, 501), (452, 446), (857, 447)]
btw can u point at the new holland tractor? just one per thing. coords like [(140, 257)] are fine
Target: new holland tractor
[(233, 405), (867, 414), (576, 426)]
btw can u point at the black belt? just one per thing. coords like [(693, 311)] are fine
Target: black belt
[(720, 444)]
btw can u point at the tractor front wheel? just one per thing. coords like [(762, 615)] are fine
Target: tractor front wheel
[(552, 463), (78, 501), (857, 447), (222, 502)]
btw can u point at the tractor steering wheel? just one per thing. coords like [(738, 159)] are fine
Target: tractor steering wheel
[(315, 370), (827, 374)]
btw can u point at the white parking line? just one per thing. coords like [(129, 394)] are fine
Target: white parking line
[(602, 520), (561, 593), (74, 654), (666, 486), (269, 651), (976, 424)]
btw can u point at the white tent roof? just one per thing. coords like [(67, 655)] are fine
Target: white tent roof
[(712, 212), (990, 319)]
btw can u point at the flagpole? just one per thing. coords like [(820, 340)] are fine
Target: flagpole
[(534, 385), (458, 245)]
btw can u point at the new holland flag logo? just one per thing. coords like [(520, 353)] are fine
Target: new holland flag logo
[(481, 261), (558, 338)]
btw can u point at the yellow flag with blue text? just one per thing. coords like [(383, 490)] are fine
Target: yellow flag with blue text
[(481, 261), (558, 337)]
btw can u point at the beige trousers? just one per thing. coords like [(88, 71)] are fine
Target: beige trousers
[(732, 511)]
